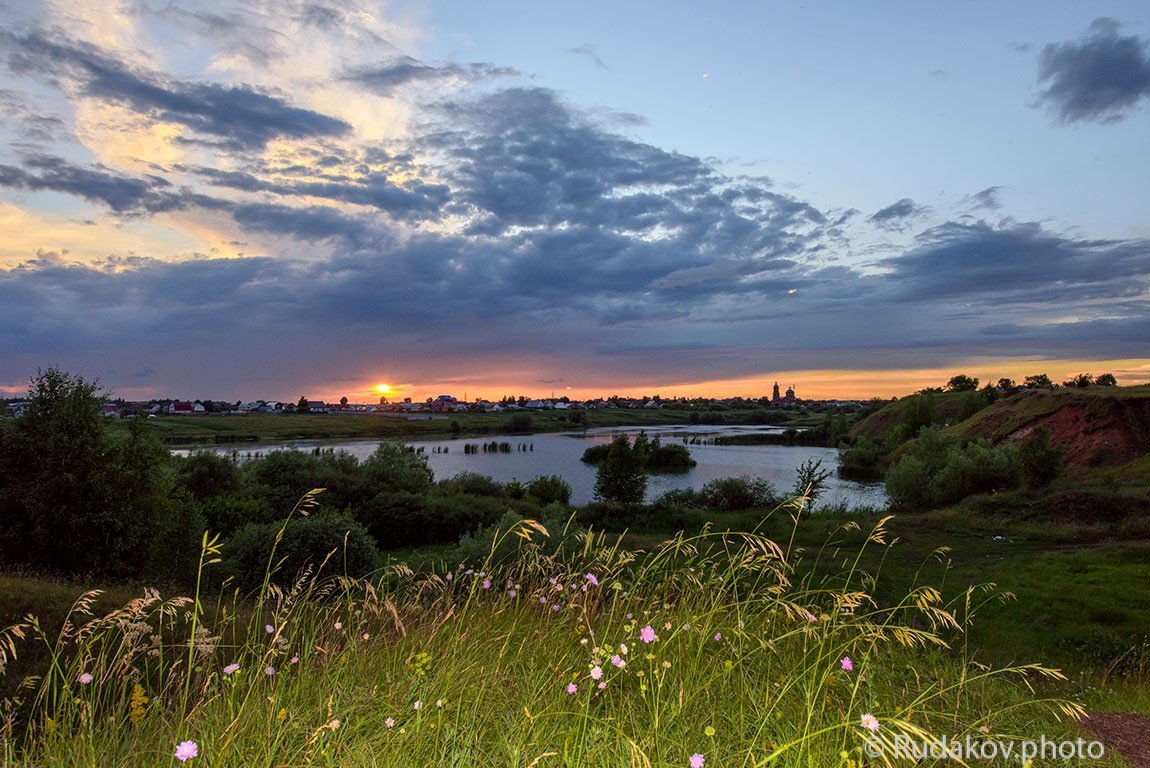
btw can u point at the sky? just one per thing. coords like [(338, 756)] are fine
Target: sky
[(266, 199)]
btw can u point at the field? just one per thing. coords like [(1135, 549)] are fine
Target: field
[(708, 650)]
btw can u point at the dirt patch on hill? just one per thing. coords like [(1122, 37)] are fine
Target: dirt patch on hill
[(1123, 732), (1094, 434)]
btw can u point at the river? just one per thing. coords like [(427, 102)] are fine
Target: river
[(558, 454)]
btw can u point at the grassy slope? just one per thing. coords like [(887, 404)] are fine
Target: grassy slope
[(1076, 555)]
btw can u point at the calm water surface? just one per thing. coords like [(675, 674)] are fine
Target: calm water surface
[(558, 454)]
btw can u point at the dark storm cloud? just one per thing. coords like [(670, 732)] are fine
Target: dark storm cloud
[(1021, 263), (1101, 77), (404, 201), (240, 116), (383, 79), (123, 194), (898, 215)]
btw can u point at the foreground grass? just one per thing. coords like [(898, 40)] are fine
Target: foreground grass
[(710, 647)]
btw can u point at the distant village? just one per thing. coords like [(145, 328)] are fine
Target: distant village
[(445, 404)]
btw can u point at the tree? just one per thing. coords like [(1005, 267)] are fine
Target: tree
[(1038, 381), (810, 482), (72, 498), (302, 406), (1082, 381), (343, 402), (1106, 380), (621, 477), (962, 383), (1007, 386)]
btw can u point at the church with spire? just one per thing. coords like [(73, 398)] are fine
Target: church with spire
[(787, 399)]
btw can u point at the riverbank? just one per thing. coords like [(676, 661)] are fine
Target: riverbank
[(207, 429)]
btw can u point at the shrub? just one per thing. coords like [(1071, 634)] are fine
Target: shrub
[(205, 474), (862, 461), (395, 467), (471, 483), (936, 470), (1040, 461), (746, 492), (307, 541), (498, 543), (662, 516), (402, 519), (227, 514), (549, 489)]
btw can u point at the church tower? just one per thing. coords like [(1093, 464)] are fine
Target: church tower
[(775, 393)]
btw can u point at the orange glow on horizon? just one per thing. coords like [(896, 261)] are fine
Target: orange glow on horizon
[(854, 384)]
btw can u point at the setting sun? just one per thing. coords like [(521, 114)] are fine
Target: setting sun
[(383, 389)]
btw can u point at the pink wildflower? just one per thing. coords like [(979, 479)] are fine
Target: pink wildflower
[(389, 722), (870, 722), (591, 579), (718, 637), (85, 678), (270, 671), (572, 688), (647, 634), (512, 594), (847, 664), (487, 583), (269, 628), (617, 660), (602, 684), (231, 669), (294, 659), (697, 760), (339, 625), (596, 672), (186, 750)]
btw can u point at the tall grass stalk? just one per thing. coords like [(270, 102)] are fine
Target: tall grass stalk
[(579, 653)]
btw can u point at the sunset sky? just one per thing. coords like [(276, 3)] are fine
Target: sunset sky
[(268, 199)]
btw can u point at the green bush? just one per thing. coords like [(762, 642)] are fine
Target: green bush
[(732, 493), (395, 467), (549, 489), (660, 517), (330, 544), (1040, 461), (471, 483), (862, 461), (403, 519), (227, 514), (205, 474), (937, 470), (498, 544)]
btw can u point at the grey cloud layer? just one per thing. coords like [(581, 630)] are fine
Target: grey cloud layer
[(1100, 77), (530, 228), (239, 116)]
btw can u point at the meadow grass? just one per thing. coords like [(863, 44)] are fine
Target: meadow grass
[(707, 649)]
